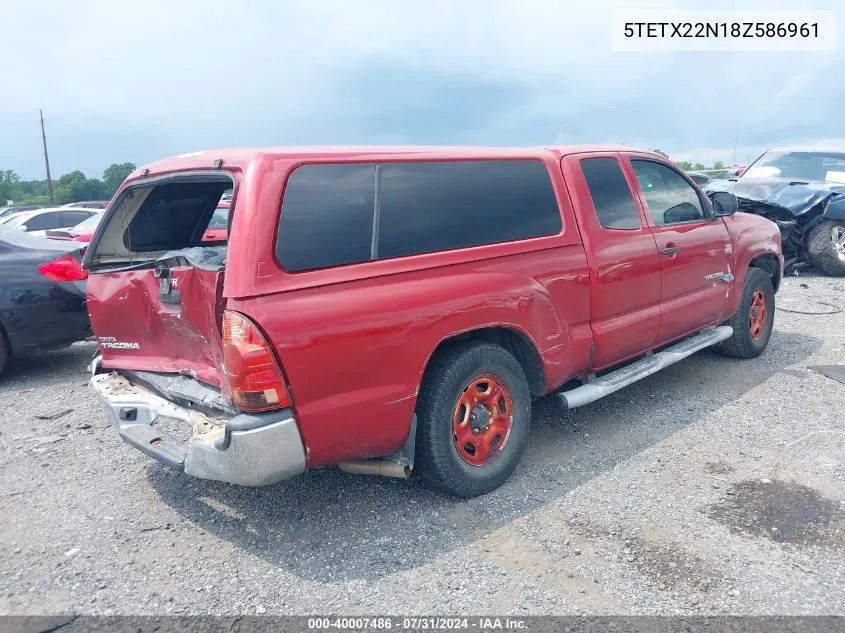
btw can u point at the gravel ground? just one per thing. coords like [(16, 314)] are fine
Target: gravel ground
[(715, 486)]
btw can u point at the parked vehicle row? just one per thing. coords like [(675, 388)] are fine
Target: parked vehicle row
[(38, 221), (396, 310), (85, 204)]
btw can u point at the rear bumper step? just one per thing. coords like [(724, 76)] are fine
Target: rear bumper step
[(247, 449), (615, 380)]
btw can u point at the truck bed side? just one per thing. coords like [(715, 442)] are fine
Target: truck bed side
[(392, 315)]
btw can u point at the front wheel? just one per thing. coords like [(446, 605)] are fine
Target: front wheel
[(826, 247), (753, 321), (473, 415)]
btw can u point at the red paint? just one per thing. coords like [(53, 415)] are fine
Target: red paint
[(757, 315), (354, 341), (623, 322), (482, 420), (185, 338), (214, 235)]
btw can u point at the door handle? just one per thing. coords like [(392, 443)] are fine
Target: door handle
[(670, 250)]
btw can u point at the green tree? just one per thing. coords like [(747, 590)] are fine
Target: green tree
[(685, 165), (66, 187), (115, 174), (9, 177), (698, 167), (718, 165), (74, 187), (661, 152)]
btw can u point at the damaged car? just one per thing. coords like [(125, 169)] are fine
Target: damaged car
[(802, 190)]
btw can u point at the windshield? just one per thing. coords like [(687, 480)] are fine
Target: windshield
[(817, 166)]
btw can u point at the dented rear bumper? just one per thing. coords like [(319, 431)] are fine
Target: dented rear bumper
[(247, 449)]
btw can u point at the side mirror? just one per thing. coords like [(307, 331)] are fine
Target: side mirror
[(724, 203)]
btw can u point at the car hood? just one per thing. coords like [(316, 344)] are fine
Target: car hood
[(797, 197)]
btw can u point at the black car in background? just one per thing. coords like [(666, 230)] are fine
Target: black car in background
[(42, 294)]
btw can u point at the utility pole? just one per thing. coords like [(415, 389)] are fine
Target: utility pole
[(46, 160)]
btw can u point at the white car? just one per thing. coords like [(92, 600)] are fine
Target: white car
[(38, 221)]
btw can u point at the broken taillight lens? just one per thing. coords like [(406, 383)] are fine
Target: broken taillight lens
[(65, 268), (253, 373)]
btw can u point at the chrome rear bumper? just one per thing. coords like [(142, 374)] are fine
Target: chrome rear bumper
[(247, 449)]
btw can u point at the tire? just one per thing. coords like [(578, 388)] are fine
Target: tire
[(752, 331), (493, 440), (826, 248)]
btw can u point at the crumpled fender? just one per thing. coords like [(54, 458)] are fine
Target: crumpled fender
[(835, 208), (798, 199)]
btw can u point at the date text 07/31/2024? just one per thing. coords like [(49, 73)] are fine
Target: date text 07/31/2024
[(416, 623)]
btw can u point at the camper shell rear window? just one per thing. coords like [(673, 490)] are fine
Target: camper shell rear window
[(157, 216), (173, 215)]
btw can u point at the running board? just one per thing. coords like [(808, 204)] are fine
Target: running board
[(615, 380)]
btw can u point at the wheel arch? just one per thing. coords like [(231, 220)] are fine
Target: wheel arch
[(512, 340), (770, 264)]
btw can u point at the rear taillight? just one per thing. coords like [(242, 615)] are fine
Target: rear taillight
[(253, 373), (65, 268)]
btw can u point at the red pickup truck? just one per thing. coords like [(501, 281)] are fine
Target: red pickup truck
[(395, 310)]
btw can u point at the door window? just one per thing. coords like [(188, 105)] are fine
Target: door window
[(72, 218), (670, 198), (43, 222)]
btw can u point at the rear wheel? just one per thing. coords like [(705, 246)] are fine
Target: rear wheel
[(473, 415), (753, 321), (826, 248)]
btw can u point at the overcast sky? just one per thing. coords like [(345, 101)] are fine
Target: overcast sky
[(139, 81)]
